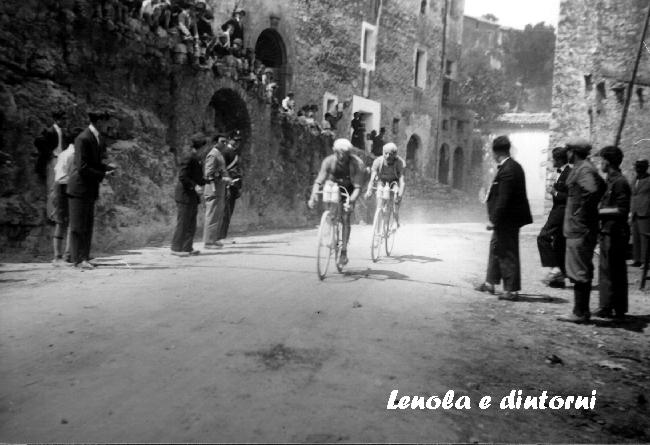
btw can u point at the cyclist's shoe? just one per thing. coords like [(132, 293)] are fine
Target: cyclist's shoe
[(343, 259)]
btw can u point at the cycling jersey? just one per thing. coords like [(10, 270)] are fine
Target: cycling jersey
[(347, 174), (386, 172)]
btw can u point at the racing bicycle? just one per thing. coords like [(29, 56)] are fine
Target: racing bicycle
[(330, 231), (384, 226)]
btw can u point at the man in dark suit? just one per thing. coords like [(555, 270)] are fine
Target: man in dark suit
[(186, 195), (550, 242), (640, 210), (580, 228), (231, 155), (83, 185), (508, 210), (614, 236)]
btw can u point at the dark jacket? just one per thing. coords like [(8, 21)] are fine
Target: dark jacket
[(617, 196), (561, 190), (586, 188), (190, 175), (507, 201), (88, 170), (641, 197)]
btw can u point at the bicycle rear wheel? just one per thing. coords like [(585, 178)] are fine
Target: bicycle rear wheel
[(325, 246), (377, 234), (390, 232)]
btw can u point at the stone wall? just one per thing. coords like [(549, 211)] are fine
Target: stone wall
[(57, 55), (597, 43)]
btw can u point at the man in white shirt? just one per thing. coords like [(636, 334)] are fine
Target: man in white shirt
[(60, 211), (288, 104)]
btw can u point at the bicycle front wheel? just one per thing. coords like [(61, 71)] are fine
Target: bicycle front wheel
[(325, 247), (377, 234), (390, 232)]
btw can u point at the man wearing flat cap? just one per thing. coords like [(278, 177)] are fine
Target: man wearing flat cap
[(640, 210), (614, 235), (186, 195), (585, 190), (216, 179), (551, 242), (83, 185)]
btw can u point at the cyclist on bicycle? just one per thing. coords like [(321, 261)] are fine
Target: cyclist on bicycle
[(346, 170), (387, 169)]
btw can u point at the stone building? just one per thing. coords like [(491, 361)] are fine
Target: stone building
[(597, 43), (485, 37), (383, 59)]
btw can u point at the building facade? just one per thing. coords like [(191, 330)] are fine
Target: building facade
[(597, 44)]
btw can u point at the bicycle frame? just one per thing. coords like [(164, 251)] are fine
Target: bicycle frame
[(382, 228), (330, 232)]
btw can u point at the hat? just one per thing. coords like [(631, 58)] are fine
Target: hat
[(236, 135), (218, 135), (96, 114), (58, 114), (198, 139), (643, 163), (612, 154), (579, 145)]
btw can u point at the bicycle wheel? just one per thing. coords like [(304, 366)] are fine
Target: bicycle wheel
[(324, 251), (337, 241), (377, 234), (390, 231)]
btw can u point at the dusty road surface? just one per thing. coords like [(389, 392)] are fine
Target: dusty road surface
[(245, 344)]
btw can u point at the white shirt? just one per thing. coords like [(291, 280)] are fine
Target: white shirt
[(94, 131), (59, 145), (64, 164)]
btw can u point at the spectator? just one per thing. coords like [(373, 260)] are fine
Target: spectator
[(60, 214), (614, 234), (640, 211), (377, 141), (49, 144), (204, 29), (187, 197), (585, 189), (289, 104), (271, 89), (358, 132), (231, 156), (187, 26), (222, 45), (236, 23), (333, 120), (508, 210), (216, 178), (551, 242), (83, 185)]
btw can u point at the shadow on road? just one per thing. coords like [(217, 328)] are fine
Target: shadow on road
[(634, 323), (541, 298), (415, 259)]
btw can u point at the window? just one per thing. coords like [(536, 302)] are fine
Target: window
[(424, 4), (446, 91), (460, 126), (395, 125), (445, 124), (420, 73), (639, 95), (450, 68), (374, 15), (368, 45)]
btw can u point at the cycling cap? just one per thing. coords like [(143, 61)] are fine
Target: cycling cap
[(390, 148), (342, 145)]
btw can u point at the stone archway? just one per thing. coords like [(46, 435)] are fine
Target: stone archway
[(272, 52), (230, 115), (412, 149), (443, 164), (459, 166)]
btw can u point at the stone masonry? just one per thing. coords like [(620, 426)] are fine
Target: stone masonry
[(597, 44)]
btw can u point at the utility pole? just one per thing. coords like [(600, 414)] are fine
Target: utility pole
[(631, 85)]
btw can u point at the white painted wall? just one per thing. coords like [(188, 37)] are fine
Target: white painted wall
[(529, 148)]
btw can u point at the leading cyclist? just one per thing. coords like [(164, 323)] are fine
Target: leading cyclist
[(388, 169), (346, 170)]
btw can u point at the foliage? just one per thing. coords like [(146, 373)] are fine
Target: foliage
[(484, 89), (529, 55)]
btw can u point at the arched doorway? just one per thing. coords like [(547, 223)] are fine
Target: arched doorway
[(230, 115), (459, 161), (412, 148), (271, 51), (443, 164)]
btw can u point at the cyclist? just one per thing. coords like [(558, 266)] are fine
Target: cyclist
[(387, 169), (346, 170)]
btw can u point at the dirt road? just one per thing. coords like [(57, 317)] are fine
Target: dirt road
[(245, 344)]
